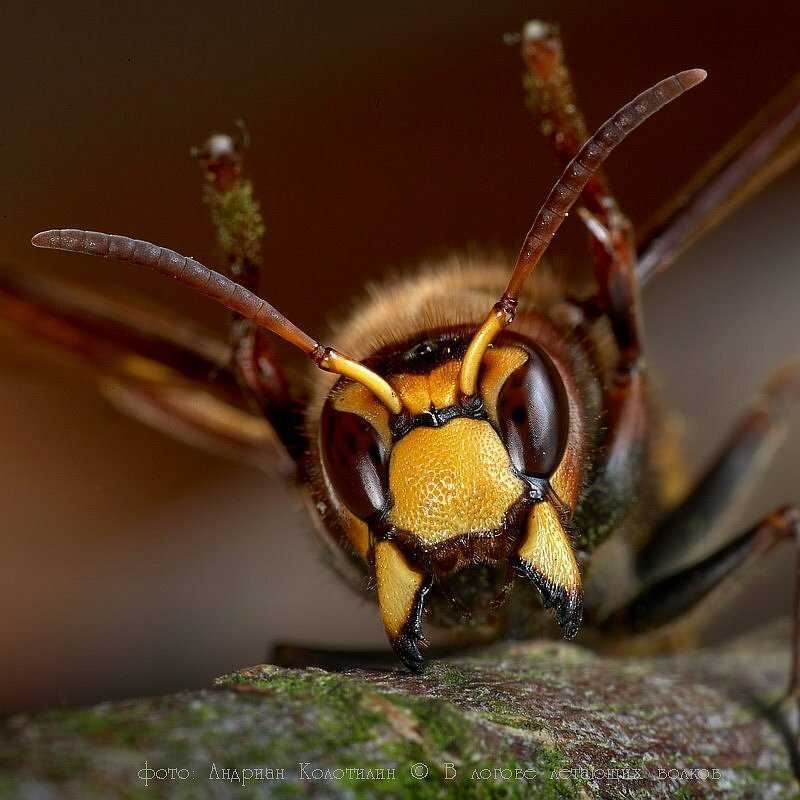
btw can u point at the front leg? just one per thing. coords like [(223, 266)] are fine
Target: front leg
[(551, 97), (239, 227)]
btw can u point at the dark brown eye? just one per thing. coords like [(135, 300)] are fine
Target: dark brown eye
[(356, 460), (533, 413)]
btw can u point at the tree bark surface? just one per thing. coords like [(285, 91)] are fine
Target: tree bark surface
[(520, 720)]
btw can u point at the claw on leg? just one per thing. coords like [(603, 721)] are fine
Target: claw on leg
[(401, 592), (546, 559)]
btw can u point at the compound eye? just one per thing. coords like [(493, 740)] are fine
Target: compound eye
[(356, 460), (533, 412)]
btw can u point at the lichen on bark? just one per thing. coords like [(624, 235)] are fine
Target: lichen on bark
[(521, 720)]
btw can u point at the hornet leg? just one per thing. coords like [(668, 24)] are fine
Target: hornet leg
[(728, 479), (552, 98), (239, 227), (684, 600)]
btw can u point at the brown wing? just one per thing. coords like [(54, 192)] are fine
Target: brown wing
[(764, 149), (170, 375)]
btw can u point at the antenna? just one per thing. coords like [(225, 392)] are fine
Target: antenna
[(558, 204), (222, 289)]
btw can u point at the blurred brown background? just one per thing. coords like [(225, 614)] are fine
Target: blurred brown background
[(131, 564)]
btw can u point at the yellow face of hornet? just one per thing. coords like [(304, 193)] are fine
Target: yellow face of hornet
[(452, 481)]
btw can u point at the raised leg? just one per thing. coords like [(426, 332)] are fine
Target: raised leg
[(764, 149), (686, 598), (239, 227), (551, 95), (235, 214), (552, 99), (728, 479)]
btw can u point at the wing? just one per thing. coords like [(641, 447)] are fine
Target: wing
[(170, 375), (764, 149)]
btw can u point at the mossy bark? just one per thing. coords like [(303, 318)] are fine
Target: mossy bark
[(538, 720)]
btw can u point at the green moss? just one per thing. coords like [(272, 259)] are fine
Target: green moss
[(99, 722), (450, 675), (747, 782), (400, 731), (542, 709)]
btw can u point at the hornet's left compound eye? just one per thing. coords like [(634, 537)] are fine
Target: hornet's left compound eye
[(356, 460), (533, 412)]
